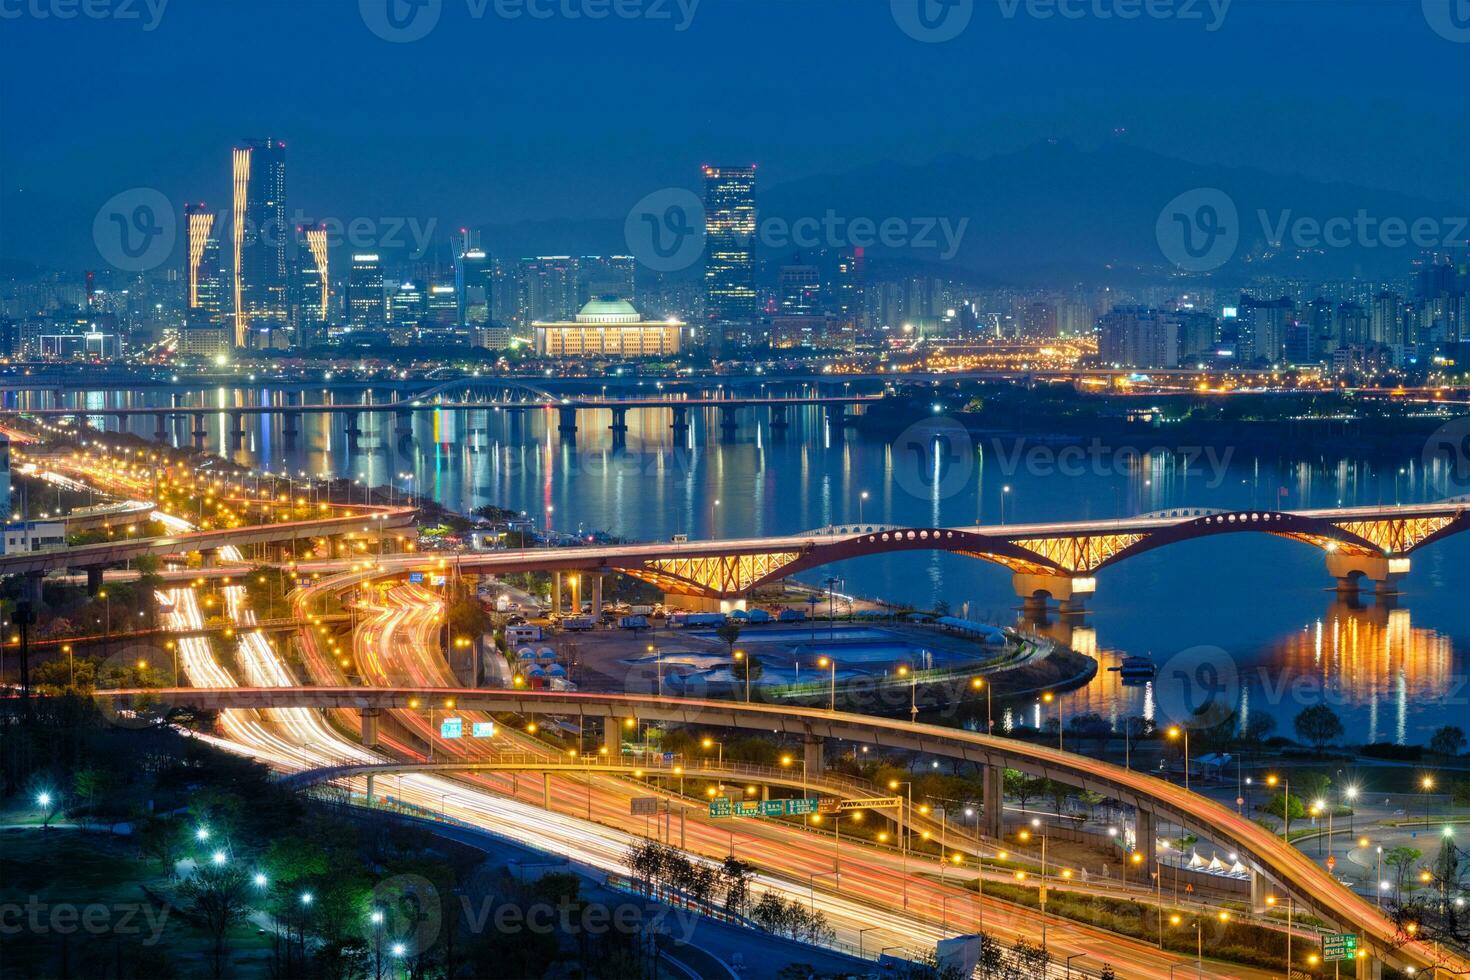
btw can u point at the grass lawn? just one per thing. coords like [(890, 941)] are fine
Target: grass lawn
[(74, 903)]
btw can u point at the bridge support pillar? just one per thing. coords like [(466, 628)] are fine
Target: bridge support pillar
[(812, 762), (556, 593), (237, 430), (1146, 842), (1259, 891), (370, 730), (402, 428), (612, 737), (291, 426), (837, 414), (566, 420), (992, 801), (619, 421), (1370, 968), (198, 431), (160, 428), (1035, 591), (208, 557), (597, 596), (680, 422), (94, 579), (728, 423), (33, 581), (369, 790), (1382, 570)]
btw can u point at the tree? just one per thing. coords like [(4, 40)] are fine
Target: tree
[(161, 837), (1402, 860), (217, 896), (729, 631), (735, 875), (1276, 806), (1023, 787), (1448, 740), (1319, 725)]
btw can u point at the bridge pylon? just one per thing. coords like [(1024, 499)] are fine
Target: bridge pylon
[(1036, 590)]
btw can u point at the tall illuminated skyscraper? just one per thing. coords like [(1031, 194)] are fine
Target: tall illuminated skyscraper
[(367, 307), (730, 224), (205, 332), (313, 305), (259, 236), (474, 275)]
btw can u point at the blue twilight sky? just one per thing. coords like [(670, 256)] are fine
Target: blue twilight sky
[(491, 118)]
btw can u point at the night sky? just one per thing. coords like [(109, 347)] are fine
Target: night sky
[(492, 120)]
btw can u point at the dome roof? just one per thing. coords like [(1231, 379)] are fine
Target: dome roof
[(609, 309)]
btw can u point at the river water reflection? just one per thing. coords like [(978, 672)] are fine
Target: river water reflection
[(1393, 673)]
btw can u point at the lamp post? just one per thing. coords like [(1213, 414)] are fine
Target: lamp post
[(1271, 781), (862, 499), (740, 657), (907, 828), (830, 662), (976, 683), (905, 671), (1004, 491), (1290, 908), (1177, 732)]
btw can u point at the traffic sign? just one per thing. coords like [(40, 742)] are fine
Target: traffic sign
[(1339, 946), (416, 578), (483, 729), (647, 806), (451, 728), (723, 806), (1331, 862)]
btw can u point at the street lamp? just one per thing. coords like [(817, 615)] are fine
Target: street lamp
[(862, 499), (904, 671), (1004, 491), (1271, 781), (976, 683), (740, 657), (829, 662), (1177, 732)]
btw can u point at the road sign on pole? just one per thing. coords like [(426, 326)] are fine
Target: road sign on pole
[(643, 806), (1339, 946), (451, 728)]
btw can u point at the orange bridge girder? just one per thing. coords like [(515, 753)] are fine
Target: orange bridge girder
[(1062, 555)]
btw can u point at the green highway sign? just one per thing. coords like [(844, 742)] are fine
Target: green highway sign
[(725, 807), (1339, 946)]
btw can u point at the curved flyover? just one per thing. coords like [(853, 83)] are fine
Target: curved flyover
[(1313, 888)]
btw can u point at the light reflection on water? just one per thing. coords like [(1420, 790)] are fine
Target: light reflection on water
[(1394, 675)]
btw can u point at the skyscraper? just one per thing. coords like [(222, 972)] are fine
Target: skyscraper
[(313, 283), (366, 301), (204, 333), (474, 282), (259, 236), (730, 226)]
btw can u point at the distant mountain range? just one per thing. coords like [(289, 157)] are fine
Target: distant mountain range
[(1056, 212)]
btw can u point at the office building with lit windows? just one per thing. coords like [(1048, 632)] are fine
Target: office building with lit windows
[(366, 301), (259, 237), (730, 225)]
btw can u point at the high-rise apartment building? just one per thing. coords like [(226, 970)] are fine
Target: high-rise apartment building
[(366, 301)]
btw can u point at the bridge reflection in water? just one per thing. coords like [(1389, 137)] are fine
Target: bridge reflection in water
[(1389, 680)]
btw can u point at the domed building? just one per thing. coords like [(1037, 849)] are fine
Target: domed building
[(608, 327)]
